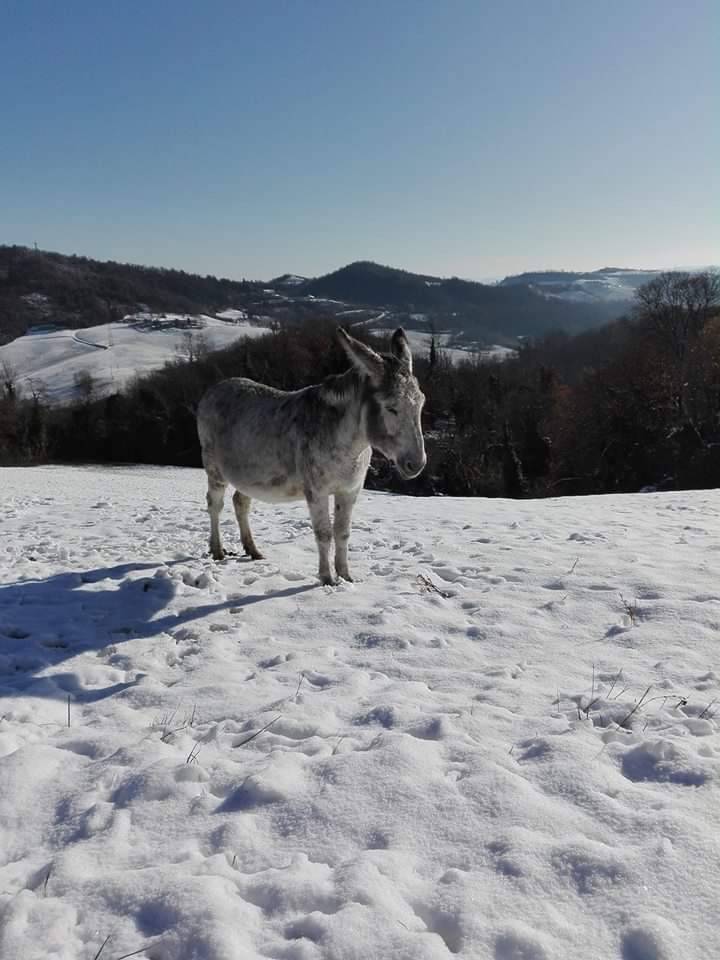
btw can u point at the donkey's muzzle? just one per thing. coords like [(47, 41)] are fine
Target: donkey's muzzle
[(409, 469)]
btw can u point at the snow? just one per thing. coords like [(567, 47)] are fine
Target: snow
[(497, 352), (500, 742), (113, 353), (610, 286)]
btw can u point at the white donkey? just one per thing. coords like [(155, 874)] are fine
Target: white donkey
[(311, 443)]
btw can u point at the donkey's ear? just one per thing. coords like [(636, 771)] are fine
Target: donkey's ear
[(400, 348), (364, 358)]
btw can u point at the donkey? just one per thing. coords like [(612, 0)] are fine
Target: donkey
[(312, 443)]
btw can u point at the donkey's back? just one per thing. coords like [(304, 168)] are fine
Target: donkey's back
[(247, 441)]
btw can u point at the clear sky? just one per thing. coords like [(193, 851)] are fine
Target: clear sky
[(458, 137)]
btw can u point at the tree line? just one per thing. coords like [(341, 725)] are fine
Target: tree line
[(631, 405)]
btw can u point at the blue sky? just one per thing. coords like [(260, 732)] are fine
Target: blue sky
[(456, 137)]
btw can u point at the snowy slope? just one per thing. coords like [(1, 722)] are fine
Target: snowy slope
[(500, 742), (116, 352), (609, 285)]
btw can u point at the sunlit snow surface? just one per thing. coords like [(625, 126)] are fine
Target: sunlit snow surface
[(500, 742), (114, 353)]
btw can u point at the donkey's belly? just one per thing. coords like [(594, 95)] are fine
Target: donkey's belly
[(273, 482), (279, 490)]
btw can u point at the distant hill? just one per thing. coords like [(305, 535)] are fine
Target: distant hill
[(608, 285), (503, 310), (39, 287)]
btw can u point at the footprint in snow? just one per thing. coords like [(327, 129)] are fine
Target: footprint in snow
[(447, 573), (434, 728), (536, 748), (317, 679), (518, 946), (377, 840), (447, 925), (707, 680), (646, 943), (662, 761), (591, 868), (274, 661), (503, 860), (386, 641)]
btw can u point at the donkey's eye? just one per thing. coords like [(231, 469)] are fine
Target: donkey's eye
[(392, 410)]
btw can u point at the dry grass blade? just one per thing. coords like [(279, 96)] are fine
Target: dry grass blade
[(711, 704), (636, 707), (135, 953), (169, 733), (102, 947), (631, 609), (297, 691), (612, 687), (593, 698), (426, 585), (257, 732)]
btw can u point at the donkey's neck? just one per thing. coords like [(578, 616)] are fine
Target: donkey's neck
[(347, 394)]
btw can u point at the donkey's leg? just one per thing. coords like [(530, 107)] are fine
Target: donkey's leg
[(242, 509), (320, 516), (344, 503), (215, 499)]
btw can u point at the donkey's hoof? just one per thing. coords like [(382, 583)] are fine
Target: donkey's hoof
[(328, 581), (254, 555), (218, 554), (345, 575)]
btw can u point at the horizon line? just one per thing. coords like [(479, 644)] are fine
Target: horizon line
[(489, 281)]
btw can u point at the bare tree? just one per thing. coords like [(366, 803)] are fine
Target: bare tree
[(194, 347), (676, 306), (84, 385), (8, 380), (675, 309)]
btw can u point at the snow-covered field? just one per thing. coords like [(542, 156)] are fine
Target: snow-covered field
[(500, 742), (114, 353)]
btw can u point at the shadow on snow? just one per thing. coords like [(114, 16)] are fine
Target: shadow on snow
[(45, 622)]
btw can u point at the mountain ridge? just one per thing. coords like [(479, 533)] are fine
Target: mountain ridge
[(73, 291)]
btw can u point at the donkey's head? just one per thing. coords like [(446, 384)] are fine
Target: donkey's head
[(394, 401)]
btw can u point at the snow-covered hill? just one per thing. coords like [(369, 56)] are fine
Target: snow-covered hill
[(609, 285), (500, 742), (49, 359)]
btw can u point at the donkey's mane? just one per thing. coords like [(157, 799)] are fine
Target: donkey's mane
[(344, 386)]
